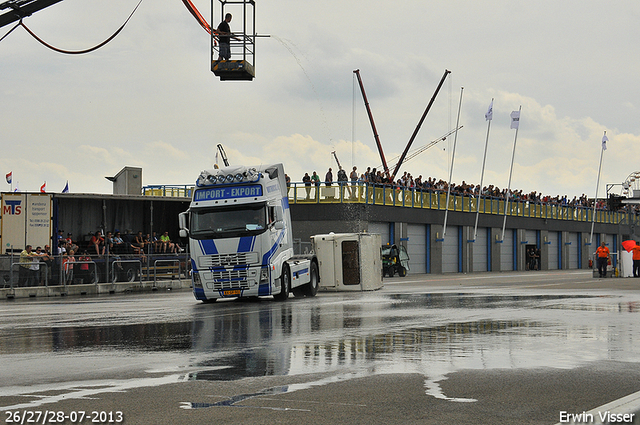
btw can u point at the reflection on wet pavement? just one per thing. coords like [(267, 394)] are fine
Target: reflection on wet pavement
[(357, 335)]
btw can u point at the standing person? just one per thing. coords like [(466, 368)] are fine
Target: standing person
[(315, 178), (25, 265), (43, 261), (307, 184), (602, 254), (224, 32), (636, 260), (354, 180), (47, 268), (67, 265), (342, 181), (328, 178), (34, 268)]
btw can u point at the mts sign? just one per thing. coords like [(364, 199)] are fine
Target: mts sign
[(12, 207)]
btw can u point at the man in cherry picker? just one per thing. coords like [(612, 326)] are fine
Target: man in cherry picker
[(224, 32)]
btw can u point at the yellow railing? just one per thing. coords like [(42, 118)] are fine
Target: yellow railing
[(174, 191), (299, 193)]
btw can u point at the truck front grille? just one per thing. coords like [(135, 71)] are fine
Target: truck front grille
[(230, 279), (228, 260)]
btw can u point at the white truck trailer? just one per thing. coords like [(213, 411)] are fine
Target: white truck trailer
[(240, 236)]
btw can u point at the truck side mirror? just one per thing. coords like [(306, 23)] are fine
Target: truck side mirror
[(182, 222), (279, 224)]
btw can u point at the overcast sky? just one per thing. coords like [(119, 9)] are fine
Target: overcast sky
[(149, 98)]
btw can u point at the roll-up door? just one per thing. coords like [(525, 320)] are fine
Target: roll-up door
[(480, 257), (553, 250), (573, 244), (382, 229), (450, 251), (417, 247), (506, 251)]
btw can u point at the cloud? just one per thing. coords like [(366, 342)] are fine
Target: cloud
[(149, 98)]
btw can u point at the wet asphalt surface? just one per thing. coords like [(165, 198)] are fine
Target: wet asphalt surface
[(507, 348)]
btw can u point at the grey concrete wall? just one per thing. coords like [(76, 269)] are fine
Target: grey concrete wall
[(324, 218)]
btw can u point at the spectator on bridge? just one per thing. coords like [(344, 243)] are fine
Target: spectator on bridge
[(328, 178), (353, 176), (342, 181), (306, 179)]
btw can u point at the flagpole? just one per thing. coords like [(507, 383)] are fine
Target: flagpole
[(513, 155), (595, 199), (484, 160), (453, 156)]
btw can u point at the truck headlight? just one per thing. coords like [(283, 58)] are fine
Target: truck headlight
[(264, 274), (197, 283)]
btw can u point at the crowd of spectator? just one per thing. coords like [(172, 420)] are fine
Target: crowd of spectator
[(39, 265), (430, 184), (116, 243)]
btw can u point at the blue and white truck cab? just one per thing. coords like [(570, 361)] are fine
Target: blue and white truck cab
[(240, 236)]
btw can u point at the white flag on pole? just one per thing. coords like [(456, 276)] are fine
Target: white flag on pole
[(605, 139), (489, 115), (515, 119)]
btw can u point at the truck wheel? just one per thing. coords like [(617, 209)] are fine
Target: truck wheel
[(391, 271), (402, 272), (285, 284), (311, 288)]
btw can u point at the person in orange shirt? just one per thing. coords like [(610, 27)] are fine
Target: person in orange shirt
[(636, 260), (602, 254)]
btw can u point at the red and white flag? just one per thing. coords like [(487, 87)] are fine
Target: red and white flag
[(10, 177), (42, 188)]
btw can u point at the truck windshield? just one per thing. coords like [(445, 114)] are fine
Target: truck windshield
[(228, 222)]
